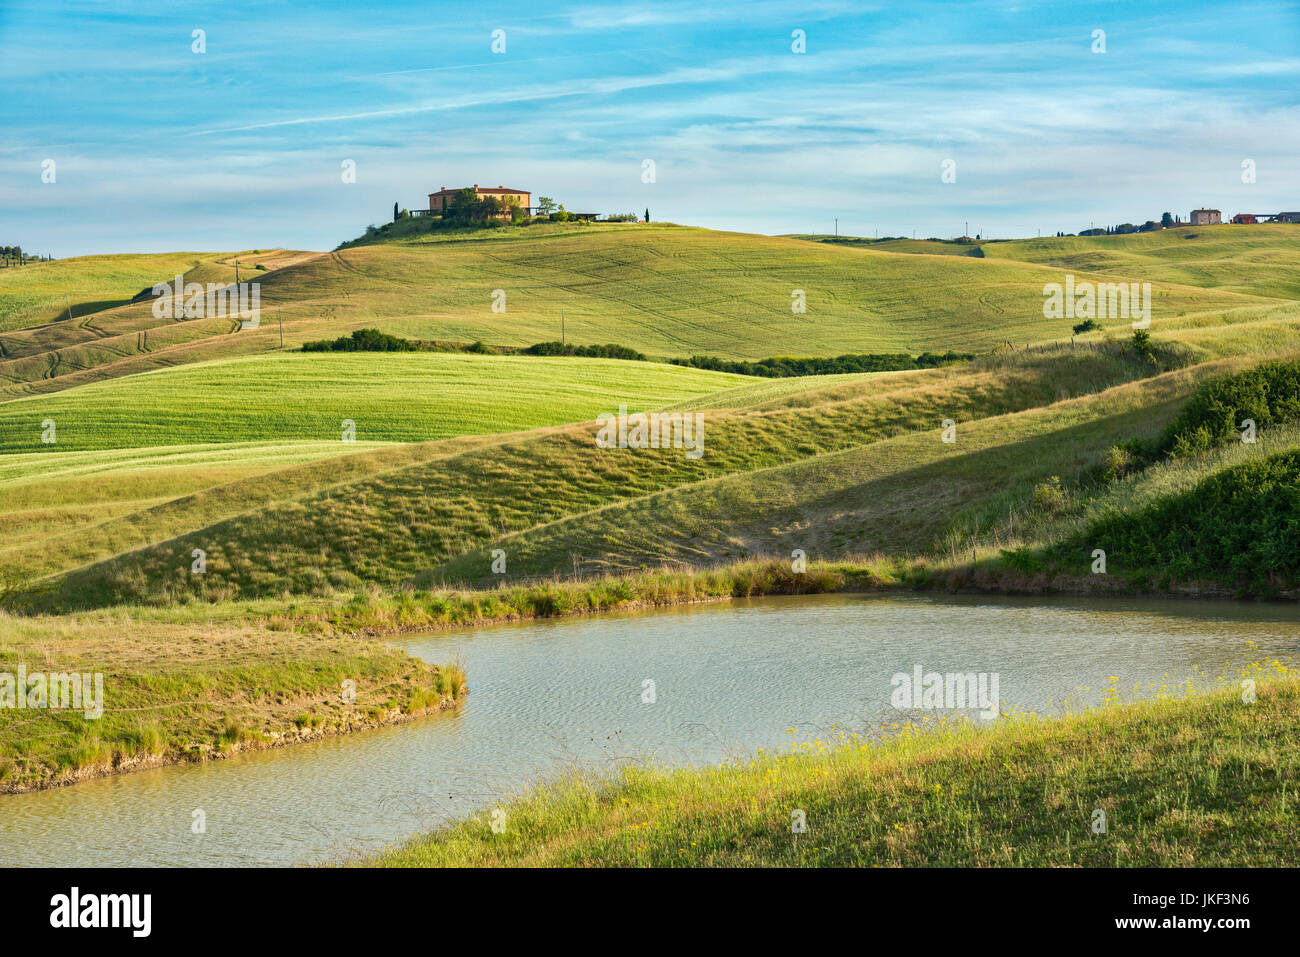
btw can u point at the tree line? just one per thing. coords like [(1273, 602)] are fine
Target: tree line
[(10, 254)]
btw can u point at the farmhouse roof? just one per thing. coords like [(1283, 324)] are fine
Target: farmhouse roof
[(481, 189)]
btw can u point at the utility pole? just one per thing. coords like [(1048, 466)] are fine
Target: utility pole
[(837, 227), (236, 272), (561, 328), (280, 317)]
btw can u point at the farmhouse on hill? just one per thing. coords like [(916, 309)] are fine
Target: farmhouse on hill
[(439, 201), (1206, 217)]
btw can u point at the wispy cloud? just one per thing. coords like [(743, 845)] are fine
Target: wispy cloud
[(157, 146)]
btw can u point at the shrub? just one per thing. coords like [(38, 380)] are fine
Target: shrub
[(1240, 523), (361, 340), (1267, 394), (1023, 559), (1121, 460), (786, 366), (609, 351), (1142, 345), (1088, 325), (1049, 496)]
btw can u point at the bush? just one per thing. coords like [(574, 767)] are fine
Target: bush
[(361, 340), (1241, 523), (786, 366), (1142, 345), (1266, 394), (1088, 325), (1121, 460), (609, 351), (1049, 496)]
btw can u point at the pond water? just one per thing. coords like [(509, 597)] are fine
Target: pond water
[(727, 678)]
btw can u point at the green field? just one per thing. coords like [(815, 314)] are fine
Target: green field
[(662, 290), (406, 397)]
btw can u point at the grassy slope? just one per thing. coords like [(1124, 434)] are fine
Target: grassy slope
[(407, 397), (677, 291), (121, 338), (905, 495), (1199, 781), (548, 499), (1259, 260), (661, 289), (72, 506), (51, 498), (40, 292), (392, 526)]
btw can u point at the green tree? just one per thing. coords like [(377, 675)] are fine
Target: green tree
[(462, 204), (1142, 344), (545, 205), (1166, 220)]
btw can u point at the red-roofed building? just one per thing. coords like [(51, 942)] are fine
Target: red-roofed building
[(439, 201)]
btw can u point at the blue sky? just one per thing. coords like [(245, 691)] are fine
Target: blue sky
[(157, 147)]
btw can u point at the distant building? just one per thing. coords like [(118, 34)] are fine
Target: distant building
[(1245, 219), (439, 201), (1206, 217), (1287, 218)]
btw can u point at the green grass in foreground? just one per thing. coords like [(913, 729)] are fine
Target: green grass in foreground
[(390, 397), (1201, 780)]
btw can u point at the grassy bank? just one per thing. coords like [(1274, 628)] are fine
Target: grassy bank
[(190, 692), (1200, 780), (373, 612)]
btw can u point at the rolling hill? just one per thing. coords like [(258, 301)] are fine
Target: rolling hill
[(231, 445), (181, 435), (663, 290)]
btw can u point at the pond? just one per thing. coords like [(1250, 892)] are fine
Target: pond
[(693, 684)]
